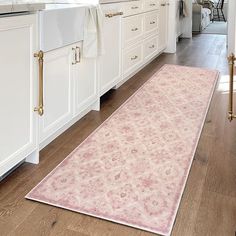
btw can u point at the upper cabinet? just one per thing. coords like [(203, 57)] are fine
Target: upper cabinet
[(18, 89), (110, 62)]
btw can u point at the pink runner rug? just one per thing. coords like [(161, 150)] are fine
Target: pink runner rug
[(133, 169)]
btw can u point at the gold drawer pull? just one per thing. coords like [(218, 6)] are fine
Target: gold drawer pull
[(163, 4), (77, 55), (152, 4), (74, 55), (134, 7), (39, 109), (110, 15), (231, 60), (153, 46), (134, 58), (134, 29), (152, 22)]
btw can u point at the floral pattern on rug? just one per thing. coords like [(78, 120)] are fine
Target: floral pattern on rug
[(133, 168)]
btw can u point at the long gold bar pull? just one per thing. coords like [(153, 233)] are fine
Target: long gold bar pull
[(40, 108), (231, 60), (110, 15)]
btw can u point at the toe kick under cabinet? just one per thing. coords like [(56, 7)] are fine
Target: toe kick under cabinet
[(135, 33)]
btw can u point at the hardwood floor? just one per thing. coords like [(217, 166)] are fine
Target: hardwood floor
[(208, 206)]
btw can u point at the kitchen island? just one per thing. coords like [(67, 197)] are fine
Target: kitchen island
[(50, 80)]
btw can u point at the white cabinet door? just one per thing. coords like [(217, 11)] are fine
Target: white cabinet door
[(84, 80), (57, 91), (18, 90), (132, 29), (163, 24), (110, 61), (151, 23)]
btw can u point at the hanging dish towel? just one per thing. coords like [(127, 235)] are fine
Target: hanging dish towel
[(93, 43), (183, 11)]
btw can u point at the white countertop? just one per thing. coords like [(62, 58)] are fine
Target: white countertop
[(13, 7), (112, 1)]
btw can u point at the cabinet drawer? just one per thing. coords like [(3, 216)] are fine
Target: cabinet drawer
[(132, 8), (132, 58), (150, 23), (132, 29), (150, 5), (150, 47)]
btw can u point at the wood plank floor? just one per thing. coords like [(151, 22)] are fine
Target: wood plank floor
[(208, 207)]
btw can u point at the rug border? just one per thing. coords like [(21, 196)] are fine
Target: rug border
[(171, 222), (195, 148)]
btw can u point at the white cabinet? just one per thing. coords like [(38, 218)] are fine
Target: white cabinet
[(150, 47), (132, 59), (151, 23), (110, 61), (134, 33), (139, 40), (56, 91), (132, 29), (84, 81), (163, 24), (18, 90), (70, 87), (131, 8), (150, 5)]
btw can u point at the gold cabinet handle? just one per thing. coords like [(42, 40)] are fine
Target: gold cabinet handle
[(231, 60), (134, 29), (153, 46), (152, 22), (163, 4), (110, 15), (134, 7), (152, 4), (77, 55), (74, 56), (40, 109), (134, 58)]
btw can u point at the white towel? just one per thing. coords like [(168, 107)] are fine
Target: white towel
[(93, 43)]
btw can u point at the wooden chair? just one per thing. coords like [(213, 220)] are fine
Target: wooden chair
[(218, 13)]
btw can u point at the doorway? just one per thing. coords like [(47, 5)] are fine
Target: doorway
[(214, 16)]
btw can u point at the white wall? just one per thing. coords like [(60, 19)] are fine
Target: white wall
[(172, 27), (171, 45), (187, 21)]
